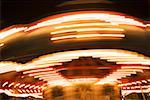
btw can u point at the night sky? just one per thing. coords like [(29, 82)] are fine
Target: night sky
[(26, 11)]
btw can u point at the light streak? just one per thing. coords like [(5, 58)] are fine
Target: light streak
[(85, 24), (10, 32), (5, 84), (27, 86), (112, 18), (11, 84), (16, 85), (21, 85), (101, 36), (88, 29), (37, 70)]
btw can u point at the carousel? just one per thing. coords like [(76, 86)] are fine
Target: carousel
[(76, 55)]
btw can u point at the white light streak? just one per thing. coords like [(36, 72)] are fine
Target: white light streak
[(9, 93), (112, 18), (31, 86), (5, 84), (88, 29), (85, 24), (16, 85), (90, 35), (10, 32), (11, 84), (37, 70), (21, 85), (27, 86), (1, 44)]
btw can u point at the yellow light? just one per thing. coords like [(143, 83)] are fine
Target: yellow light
[(90, 35), (126, 57), (21, 85), (37, 87), (11, 84), (138, 82), (31, 91), (32, 86), (28, 91), (35, 91), (120, 73), (87, 29), (37, 70), (11, 93), (112, 18), (83, 80), (129, 69), (147, 24), (37, 65), (23, 91), (144, 81), (10, 32), (19, 90), (42, 73), (85, 24), (8, 66), (27, 86), (1, 44), (59, 82), (4, 84), (135, 62), (50, 76), (16, 85), (39, 91), (135, 67), (123, 59)]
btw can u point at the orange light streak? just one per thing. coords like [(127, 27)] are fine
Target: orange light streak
[(10, 32), (89, 35), (87, 29), (85, 24)]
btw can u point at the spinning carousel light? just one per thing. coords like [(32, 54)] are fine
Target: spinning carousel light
[(112, 18), (11, 31), (87, 29), (5, 84), (11, 84)]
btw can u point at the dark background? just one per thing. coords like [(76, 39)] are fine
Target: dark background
[(26, 11)]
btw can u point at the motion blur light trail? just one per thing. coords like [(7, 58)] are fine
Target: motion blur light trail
[(74, 56)]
